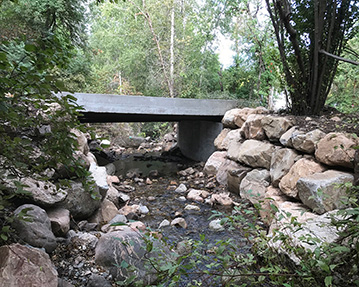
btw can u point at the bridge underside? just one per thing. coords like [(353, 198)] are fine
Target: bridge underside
[(91, 117), (199, 119)]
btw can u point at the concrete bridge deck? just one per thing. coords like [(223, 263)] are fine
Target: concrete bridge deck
[(120, 108), (199, 120)]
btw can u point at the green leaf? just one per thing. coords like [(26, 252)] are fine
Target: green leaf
[(30, 48), (3, 237), (328, 281)]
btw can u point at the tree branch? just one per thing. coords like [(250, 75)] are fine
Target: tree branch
[(339, 58)]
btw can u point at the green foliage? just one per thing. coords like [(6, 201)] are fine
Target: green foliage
[(35, 125), (343, 95), (309, 35), (125, 58), (265, 259)]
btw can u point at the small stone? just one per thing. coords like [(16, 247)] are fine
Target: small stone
[(164, 223), (181, 188), (179, 221), (148, 181), (182, 198), (143, 209), (192, 207), (216, 225), (151, 198)]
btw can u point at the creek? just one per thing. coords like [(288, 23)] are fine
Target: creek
[(163, 202)]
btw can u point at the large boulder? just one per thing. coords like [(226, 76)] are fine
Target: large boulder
[(252, 128), (315, 229), (256, 153), (336, 149), (119, 249), (306, 142), (105, 213), (43, 193), (60, 220), (254, 185), (214, 162), (302, 168), (218, 142), (99, 175), (222, 173), (80, 202), (282, 160), (24, 266), (235, 118), (273, 198), (233, 135), (33, 226), (235, 177), (229, 117), (286, 138), (81, 139), (324, 191), (275, 127), (233, 151)]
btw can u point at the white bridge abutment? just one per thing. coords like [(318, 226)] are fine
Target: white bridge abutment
[(196, 138)]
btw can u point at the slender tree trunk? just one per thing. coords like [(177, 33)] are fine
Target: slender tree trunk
[(172, 57), (143, 11)]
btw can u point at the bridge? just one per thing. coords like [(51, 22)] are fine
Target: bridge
[(199, 119)]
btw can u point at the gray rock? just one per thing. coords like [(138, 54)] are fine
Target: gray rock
[(222, 173), (324, 191), (214, 162), (164, 223), (99, 175), (275, 127), (252, 128), (110, 169), (119, 218), (215, 225), (256, 153), (306, 142), (235, 177), (126, 247), (181, 188), (254, 185), (79, 202), (96, 280), (36, 232), (43, 193), (25, 266), (60, 221), (286, 138), (282, 161), (233, 151)]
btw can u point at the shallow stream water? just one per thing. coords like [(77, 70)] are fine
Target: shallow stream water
[(164, 203)]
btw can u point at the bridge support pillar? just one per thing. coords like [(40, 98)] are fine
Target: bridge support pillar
[(196, 138)]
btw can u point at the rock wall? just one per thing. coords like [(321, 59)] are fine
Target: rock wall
[(266, 159)]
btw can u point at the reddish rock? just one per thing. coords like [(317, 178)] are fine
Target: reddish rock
[(336, 149), (22, 266), (302, 168)]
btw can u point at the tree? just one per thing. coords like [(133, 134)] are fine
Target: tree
[(311, 35), (160, 48)]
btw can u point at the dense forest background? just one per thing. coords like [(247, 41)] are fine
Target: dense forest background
[(170, 48)]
